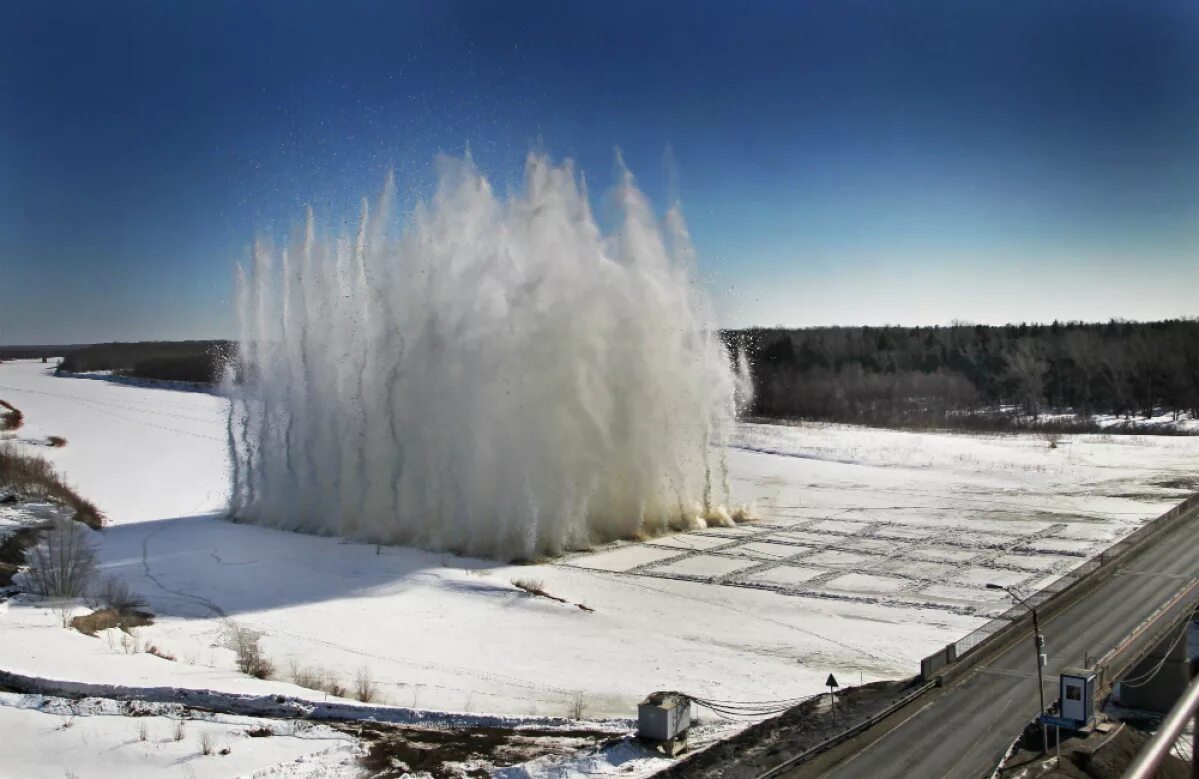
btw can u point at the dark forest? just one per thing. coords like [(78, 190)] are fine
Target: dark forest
[(977, 376)]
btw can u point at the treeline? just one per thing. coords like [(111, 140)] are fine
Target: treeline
[(974, 375), (192, 361), (42, 352)]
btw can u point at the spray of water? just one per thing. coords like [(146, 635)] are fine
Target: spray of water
[(493, 377)]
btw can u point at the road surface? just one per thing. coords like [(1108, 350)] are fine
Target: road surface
[(964, 729)]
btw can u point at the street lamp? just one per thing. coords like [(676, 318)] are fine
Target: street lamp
[(1040, 643)]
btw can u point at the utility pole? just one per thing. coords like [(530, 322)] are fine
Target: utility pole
[(1038, 647)]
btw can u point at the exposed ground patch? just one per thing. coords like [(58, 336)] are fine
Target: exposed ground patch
[(395, 751), (12, 551), (34, 476), (767, 744), (1092, 756)]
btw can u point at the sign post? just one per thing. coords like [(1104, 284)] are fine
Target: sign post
[(1061, 722), (831, 684)]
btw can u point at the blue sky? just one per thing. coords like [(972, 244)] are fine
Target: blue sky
[(838, 162)]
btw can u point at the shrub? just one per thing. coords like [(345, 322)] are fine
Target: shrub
[(206, 744), (12, 418), (34, 475), (306, 677), (250, 659), (113, 593), (62, 563), (64, 610), (531, 586), (364, 686), (536, 587), (56, 441)]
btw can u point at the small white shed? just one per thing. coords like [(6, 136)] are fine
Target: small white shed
[(665, 717), (1077, 695)]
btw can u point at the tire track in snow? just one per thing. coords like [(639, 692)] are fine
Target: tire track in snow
[(486, 676), (101, 407)]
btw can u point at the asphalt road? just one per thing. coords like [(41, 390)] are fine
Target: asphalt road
[(964, 729)]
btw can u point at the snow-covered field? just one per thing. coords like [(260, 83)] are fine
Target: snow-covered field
[(873, 549), (57, 737)]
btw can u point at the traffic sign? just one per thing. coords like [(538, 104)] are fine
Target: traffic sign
[(831, 681), (1061, 722)]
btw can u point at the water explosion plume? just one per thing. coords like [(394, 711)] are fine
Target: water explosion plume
[(497, 378)]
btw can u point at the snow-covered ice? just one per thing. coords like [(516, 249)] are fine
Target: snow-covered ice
[(56, 737), (872, 549)]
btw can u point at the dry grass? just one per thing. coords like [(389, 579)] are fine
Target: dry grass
[(154, 650), (317, 678), (12, 418), (103, 619), (114, 606), (56, 441), (35, 476), (365, 689), (537, 587)]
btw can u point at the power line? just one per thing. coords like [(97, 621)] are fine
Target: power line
[(1144, 679), (750, 709)]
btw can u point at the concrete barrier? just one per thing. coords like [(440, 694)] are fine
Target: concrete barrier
[(930, 667)]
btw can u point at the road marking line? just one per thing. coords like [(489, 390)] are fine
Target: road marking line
[(869, 746)]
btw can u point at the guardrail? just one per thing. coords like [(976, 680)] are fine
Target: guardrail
[(1017, 617), (1117, 661), (1146, 764), (848, 733)]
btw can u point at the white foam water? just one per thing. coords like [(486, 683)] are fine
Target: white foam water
[(492, 376)]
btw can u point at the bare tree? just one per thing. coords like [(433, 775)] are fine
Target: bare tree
[(1117, 371), (62, 564), (1027, 367), (1085, 352)]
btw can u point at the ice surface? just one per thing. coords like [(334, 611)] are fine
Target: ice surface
[(449, 633), (768, 551), (866, 583), (705, 566), (53, 737), (786, 575)]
